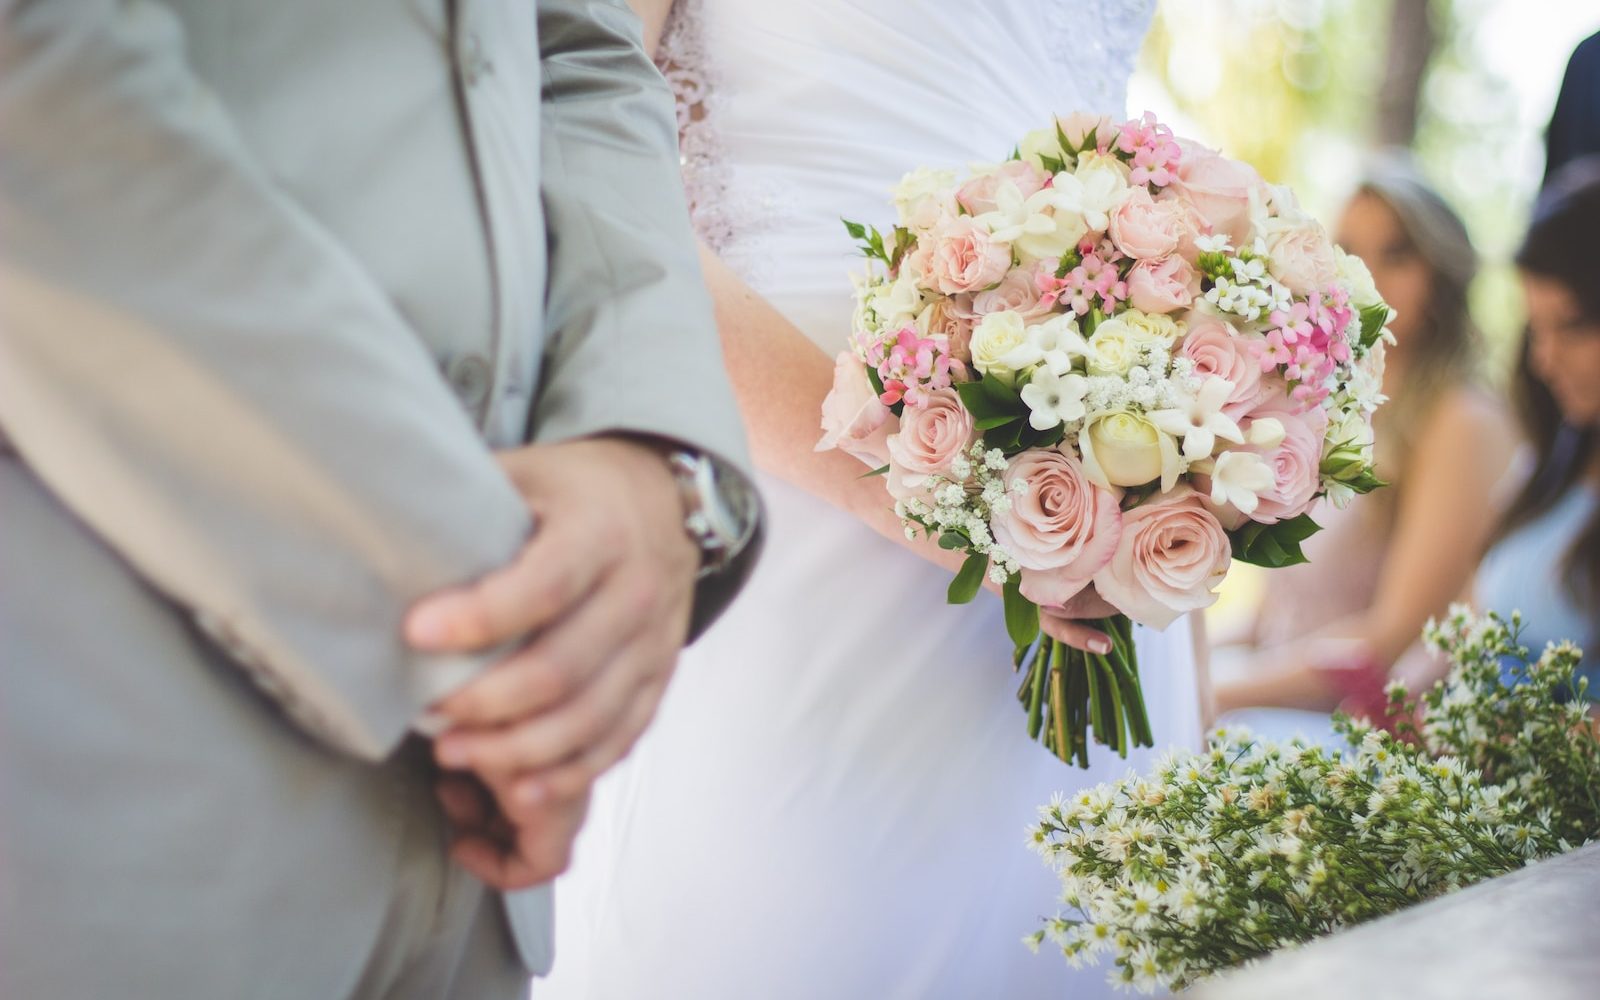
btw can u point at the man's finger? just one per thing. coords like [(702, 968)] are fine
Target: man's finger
[(572, 777), (553, 572), (559, 663), (566, 729)]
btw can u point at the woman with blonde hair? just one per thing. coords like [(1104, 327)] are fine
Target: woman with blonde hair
[(1333, 629)]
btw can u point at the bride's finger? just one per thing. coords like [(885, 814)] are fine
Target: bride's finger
[(1075, 634)]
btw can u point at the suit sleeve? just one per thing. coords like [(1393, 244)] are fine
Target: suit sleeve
[(210, 381), (633, 344)]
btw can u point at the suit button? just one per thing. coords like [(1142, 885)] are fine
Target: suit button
[(469, 377)]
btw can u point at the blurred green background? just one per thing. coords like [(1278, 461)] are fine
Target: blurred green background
[(1306, 89), (1303, 89)]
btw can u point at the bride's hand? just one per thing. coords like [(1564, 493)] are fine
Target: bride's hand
[(1065, 623)]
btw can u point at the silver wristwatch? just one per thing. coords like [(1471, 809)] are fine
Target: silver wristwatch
[(720, 509)]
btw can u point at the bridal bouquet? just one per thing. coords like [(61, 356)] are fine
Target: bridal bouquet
[(1117, 360), (1218, 858)]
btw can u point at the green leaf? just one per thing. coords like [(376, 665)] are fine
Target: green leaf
[(1052, 164), (989, 423), (950, 540), (1022, 615), (1007, 437), (969, 580), (1274, 545), (879, 471), (1373, 320), (855, 229)]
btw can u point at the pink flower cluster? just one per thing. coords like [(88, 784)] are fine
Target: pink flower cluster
[(1309, 343), (912, 366), (1156, 153), (1094, 284)]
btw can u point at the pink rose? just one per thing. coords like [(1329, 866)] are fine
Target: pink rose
[(1077, 126), (1171, 555), (951, 319), (1296, 463), (1144, 228), (918, 263), (1216, 348), (853, 419), (966, 258), (1220, 189), (977, 196), (1061, 529), (929, 439), (1017, 292), (1162, 286), (1301, 257)]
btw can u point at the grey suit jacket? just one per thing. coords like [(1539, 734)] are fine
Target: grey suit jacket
[(275, 277)]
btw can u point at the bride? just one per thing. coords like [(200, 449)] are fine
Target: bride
[(832, 800)]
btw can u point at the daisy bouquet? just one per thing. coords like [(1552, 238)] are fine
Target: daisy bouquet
[(1218, 858), (1117, 360)]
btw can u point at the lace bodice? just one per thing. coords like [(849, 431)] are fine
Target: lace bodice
[(792, 115)]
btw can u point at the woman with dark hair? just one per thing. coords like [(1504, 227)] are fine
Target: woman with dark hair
[(1545, 559), (1332, 630)]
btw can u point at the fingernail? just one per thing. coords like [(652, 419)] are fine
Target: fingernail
[(451, 753), (1101, 646), (428, 626)]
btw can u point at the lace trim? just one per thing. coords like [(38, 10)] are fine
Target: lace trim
[(1105, 35), (728, 213)]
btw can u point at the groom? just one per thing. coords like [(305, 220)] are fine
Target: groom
[(357, 387)]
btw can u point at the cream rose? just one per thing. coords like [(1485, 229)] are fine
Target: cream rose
[(929, 438), (1118, 342), (1061, 527), (1170, 557), (922, 198), (1353, 274), (853, 419), (1300, 256), (1124, 449), (1001, 347)]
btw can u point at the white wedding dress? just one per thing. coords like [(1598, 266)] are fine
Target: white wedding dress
[(832, 802)]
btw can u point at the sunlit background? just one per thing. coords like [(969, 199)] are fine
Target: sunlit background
[(1305, 89)]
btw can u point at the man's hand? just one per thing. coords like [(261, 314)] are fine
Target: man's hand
[(603, 593), (504, 855)]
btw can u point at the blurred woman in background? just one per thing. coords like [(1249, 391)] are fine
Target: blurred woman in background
[(1545, 560), (1334, 628)]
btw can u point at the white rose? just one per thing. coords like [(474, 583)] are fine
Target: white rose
[(1300, 255), (1039, 143), (1124, 449), (922, 196), (1001, 347), (1118, 343), (1353, 274)]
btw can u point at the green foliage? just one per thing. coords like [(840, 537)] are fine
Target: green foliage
[(1273, 545)]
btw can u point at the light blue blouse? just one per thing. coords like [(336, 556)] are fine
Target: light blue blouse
[(1524, 572)]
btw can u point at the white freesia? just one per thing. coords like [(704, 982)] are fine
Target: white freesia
[(1266, 432), (1059, 341), (1001, 347), (1199, 420), (1099, 185), (1239, 478), (1054, 399), (884, 308), (1047, 223)]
